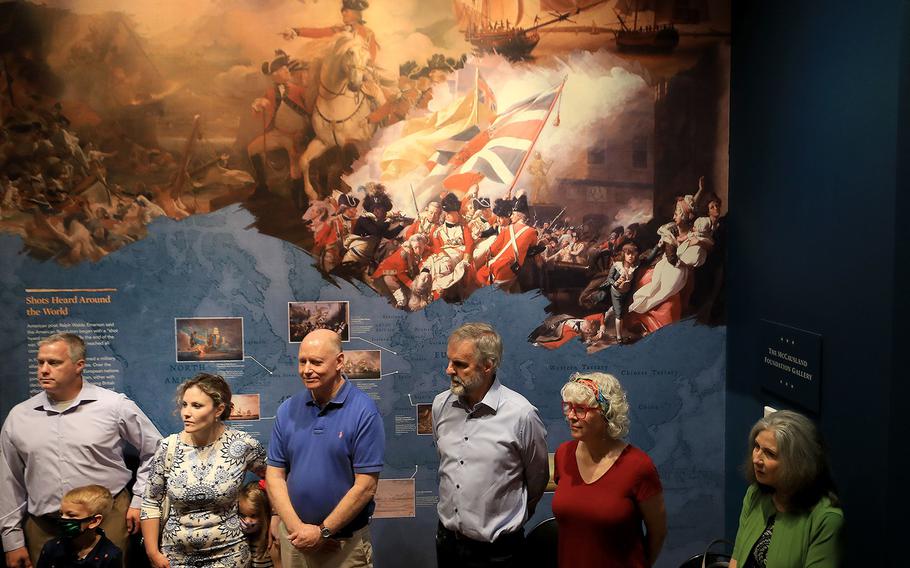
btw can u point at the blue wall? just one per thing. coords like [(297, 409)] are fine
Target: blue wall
[(818, 187)]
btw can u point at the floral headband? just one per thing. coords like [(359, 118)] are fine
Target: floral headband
[(599, 398)]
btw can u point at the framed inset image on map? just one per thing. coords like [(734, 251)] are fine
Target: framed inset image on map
[(209, 339), (363, 365), (424, 419), (395, 499), (246, 407), (304, 317)]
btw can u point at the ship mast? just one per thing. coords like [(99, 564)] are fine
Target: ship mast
[(565, 15)]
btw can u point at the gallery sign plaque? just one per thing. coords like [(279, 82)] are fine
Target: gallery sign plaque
[(790, 360)]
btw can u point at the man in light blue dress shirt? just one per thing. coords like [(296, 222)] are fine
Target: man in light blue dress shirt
[(492, 448), (70, 435)]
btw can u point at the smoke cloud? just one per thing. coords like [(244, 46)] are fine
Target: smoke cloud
[(598, 86)]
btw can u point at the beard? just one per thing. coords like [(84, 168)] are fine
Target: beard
[(461, 386)]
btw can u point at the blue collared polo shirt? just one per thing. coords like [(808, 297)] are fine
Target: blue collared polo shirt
[(322, 449)]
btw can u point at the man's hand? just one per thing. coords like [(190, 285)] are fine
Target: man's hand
[(132, 520), (18, 558), (308, 537), (259, 104)]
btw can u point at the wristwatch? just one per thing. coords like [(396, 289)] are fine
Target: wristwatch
[(325, 532)]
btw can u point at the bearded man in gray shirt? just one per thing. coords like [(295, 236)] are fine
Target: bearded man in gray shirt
[(492, 447)]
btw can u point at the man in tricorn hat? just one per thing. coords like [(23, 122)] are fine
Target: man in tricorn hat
[(369, 231), (453, 237), (500, 215), (352, 21), (481, 221), (452, 246), (329, 236), (508, 251), (284, 115)]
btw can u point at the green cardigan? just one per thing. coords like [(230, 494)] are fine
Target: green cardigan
[(799, 540)]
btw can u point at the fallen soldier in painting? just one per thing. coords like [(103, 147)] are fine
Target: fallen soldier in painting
[(559, 329), (395, 275)]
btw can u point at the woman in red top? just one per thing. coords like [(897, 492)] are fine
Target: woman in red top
[(605, 486)]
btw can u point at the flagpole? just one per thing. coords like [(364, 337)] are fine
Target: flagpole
[(536, 136), (476, 94)]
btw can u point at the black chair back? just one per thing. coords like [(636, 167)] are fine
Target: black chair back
[(709, 559), (541, 545)]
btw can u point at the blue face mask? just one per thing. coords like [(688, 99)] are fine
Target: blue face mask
[(71, 528)]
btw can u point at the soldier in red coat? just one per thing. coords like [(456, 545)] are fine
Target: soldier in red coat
[(330, 225), (351, 21), (397, 271), (452, 246), (285, 115), (453, 237), (426, 221), (508, 251)]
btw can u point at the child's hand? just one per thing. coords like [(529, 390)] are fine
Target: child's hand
[(273, 531), (159, 560)]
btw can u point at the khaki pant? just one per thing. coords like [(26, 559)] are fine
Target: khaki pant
[(39, 530), (355, 552)]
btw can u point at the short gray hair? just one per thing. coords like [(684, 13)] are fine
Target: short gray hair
[(74, 343), (803, 469), (617, 415), (487, 342)]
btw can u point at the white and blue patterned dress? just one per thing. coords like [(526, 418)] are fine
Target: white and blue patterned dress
[(203, 525)]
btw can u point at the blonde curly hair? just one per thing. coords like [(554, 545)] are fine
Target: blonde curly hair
[(613, 404)]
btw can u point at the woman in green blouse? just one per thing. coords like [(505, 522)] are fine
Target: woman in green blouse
[(790, 517)]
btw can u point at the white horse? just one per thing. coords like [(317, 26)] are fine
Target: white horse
[(340, 115)]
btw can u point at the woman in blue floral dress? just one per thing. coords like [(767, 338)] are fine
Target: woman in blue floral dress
[(200, 470)]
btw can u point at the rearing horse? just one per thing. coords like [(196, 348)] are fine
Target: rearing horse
[(341, 109)]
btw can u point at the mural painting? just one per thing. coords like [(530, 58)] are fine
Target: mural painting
[(426, 149)]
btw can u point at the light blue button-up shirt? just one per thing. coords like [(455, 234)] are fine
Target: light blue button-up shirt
[(45, 453), (493, 465)]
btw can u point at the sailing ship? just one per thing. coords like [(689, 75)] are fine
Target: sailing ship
[(660, 34), (490, 29)]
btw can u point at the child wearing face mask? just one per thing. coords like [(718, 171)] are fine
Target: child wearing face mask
[(82, 542), (255, 516)]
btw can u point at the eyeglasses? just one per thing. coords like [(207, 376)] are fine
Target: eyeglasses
[(580, 411)]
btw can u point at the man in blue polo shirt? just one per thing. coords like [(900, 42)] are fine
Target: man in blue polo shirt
[(324, 461)]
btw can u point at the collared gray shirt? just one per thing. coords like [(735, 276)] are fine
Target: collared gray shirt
[(493, 465), (45, 453)]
